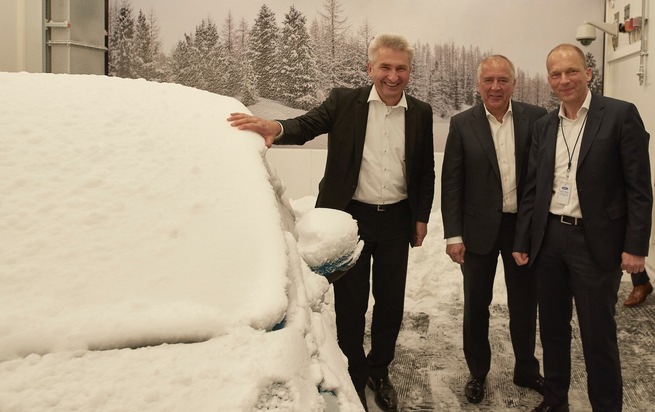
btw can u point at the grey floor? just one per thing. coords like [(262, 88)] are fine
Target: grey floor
[(430, 371)]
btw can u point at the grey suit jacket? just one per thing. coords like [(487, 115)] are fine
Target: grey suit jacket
[(471, 190), (343, 116), (613, 180)]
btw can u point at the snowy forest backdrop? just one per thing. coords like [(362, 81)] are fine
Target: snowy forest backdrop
[(297, 60)]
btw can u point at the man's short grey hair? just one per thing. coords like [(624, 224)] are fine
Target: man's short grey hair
[(391, 41), (496, 57)]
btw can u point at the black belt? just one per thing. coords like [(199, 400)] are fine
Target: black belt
[(378, 208), (568, 220)]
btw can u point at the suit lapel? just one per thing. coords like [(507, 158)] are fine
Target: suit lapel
[(550, 145), (521, 124), (594, 117), (482, 132), (410, 136), (360, 121)]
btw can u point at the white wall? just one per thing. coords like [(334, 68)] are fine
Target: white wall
[(622, 65), (21, 36), (300, 169), (622, 82)]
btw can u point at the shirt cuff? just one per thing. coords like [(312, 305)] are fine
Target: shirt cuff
[(281, 131), (453, 240)]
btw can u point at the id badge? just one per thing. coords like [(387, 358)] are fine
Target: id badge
[(564, 193)]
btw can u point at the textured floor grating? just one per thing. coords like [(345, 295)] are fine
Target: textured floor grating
[(430, 371)]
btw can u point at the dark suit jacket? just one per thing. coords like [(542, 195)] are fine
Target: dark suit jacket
[(471, 191), (613, 180), (343, 115)]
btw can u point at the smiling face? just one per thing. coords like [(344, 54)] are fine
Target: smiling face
[(496, 85), (390, 74), (568, 75)]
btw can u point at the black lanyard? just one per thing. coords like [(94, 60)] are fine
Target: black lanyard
[(568, 169)]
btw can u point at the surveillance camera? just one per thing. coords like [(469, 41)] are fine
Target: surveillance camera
[(585, 34)]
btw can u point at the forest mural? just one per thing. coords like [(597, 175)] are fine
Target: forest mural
[(296, 61)]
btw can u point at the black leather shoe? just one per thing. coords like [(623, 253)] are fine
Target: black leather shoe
[(548, 408), (536, 384), (474, 390), (362, 398), (385, 394)]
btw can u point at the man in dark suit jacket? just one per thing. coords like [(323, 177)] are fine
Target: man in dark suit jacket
[(585, 215), (482, 177), (380, 169)]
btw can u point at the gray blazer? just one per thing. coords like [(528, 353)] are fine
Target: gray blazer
[(471, 191)]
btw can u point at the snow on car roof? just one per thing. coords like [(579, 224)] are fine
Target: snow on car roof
[(131, 213)]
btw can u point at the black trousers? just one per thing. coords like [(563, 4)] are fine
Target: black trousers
[(386, 237), (479, 272), (640, 278), (567, 272)]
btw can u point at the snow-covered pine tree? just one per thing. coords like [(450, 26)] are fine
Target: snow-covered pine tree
[(247, 92), (596, 83), (297, 63), (121, 42), (148, 63), (263, 49), (180, 63), (331, 43)]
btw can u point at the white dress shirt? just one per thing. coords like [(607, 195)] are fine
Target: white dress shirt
[(503, 136), (382, 176), (565, 199)]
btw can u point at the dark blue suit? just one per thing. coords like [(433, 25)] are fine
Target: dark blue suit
[(584, 262)]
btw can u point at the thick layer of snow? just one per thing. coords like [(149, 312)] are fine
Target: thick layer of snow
[(122, 198), (328, 236), (132, 214)]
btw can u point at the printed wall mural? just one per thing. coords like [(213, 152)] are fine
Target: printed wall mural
[(282, 57)]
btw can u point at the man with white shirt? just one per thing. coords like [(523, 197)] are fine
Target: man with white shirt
[(481, 181), (585, 215), (380, 169)]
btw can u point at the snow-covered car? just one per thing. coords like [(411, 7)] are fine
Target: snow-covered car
[(149, 259)]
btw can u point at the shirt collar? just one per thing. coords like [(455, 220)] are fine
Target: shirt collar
[(374, 96), (491, 116), (583, 109)]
